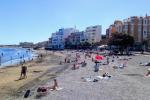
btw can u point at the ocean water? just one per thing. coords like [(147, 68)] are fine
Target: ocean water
[(10, 56)]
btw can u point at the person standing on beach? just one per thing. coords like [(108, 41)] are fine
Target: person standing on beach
[(96, 67), (65, 60), (107, 60), (23, 72)]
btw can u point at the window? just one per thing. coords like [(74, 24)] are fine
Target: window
[(145, 21), (93, 33), (94, 26), (145, 33)]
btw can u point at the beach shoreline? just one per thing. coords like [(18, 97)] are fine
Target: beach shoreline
[(16, 56)]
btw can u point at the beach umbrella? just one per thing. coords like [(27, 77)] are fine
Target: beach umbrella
[(99, 57)]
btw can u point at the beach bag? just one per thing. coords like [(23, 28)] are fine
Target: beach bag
[(26, 95)]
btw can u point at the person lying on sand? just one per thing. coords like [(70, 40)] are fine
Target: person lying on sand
[(46, 88), (148, 72)]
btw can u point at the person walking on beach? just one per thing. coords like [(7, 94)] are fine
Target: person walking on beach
[(107, 60), (23, 72), (65, 60), (96, 67)]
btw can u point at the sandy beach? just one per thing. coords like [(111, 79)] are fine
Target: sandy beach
[(129, 83), (11, 86)]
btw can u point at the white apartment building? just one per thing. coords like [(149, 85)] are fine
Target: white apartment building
[(93, 33), (68, 31), (145, 28), (58, 38)]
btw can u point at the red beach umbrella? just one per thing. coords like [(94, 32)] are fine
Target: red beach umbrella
[(99, 57)]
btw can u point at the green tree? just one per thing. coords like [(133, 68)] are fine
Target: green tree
[(121, 40)]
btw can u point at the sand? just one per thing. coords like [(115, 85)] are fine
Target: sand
[(10, 85), (129, 83)]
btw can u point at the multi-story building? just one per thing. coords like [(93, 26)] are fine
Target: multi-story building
[(145, 27), (148, 36), (58, 38), (110, 31), (134, 27), (118, 26), (75, 38), (126, 26), (93, 33), (138, 27)]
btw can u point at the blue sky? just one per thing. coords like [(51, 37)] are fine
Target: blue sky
[(35, 20)]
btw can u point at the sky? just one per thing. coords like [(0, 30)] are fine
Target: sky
[(35, 20)]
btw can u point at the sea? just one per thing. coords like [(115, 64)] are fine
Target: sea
[(10, 56)]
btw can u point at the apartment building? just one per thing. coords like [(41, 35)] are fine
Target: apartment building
[(138, 27), (75, 38), (58, 38), (133, 21), (118, 25), (126, 26), (111, 30), (93, 33), (140, 30)]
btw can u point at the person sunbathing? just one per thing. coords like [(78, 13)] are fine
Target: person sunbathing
[(148, 73), (45, 89)]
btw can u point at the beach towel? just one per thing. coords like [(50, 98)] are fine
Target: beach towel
[(101, 77), (87, 79)]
